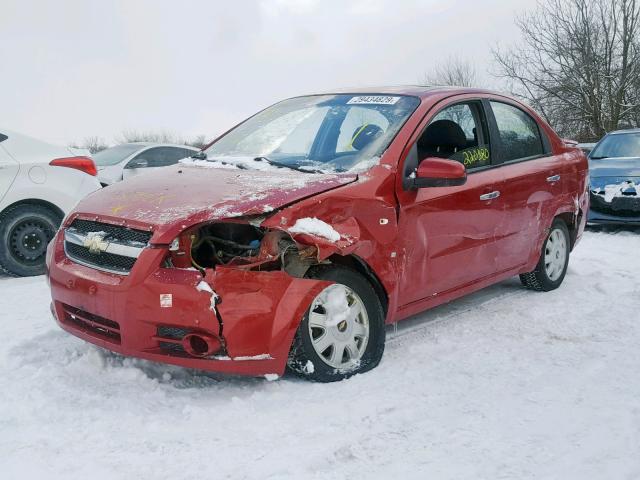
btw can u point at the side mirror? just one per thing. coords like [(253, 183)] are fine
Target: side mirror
[(138, 163), (439, 172)]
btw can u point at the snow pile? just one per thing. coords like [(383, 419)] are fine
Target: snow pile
[(505, 383), (235, 162), (315, 227), (91, 235), (193, 162)]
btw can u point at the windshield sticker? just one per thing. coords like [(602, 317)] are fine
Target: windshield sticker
[(373, 100)]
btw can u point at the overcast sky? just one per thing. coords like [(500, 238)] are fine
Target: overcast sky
[(70, 69)]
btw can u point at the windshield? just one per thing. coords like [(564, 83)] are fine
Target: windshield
[(114, 155), (618, 145), (326, 133)]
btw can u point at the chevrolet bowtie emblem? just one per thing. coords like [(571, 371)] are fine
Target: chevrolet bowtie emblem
[(96, 243)]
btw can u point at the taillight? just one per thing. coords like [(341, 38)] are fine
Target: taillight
[(84, 164)]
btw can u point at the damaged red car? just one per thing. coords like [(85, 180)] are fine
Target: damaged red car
[(292, 240)]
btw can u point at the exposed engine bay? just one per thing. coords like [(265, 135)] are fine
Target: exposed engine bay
[(222, 243), (242, 245)]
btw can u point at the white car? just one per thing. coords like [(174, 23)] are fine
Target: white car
[(39, 184), (122, 161)]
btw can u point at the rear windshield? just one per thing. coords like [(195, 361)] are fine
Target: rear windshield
[(114, 155), (618, 145)]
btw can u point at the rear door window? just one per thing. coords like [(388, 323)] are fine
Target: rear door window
[(171, 155), (160, 157), (519, 133)]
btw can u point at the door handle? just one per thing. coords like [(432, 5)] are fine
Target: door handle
[(490, 196), (553, 178)]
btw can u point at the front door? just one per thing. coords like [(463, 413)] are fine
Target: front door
[(448, 232)]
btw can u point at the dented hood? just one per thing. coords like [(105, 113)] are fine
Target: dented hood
[(169, 200)]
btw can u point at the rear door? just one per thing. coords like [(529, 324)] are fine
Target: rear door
[(449, 232), (8, 168), (531, 181)]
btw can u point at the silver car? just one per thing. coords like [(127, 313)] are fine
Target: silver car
[(122, 161)]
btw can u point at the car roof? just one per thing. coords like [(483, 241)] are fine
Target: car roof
[(413, 90), (622, 132), (154, 144)]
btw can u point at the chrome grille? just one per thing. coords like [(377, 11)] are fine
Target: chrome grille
[(104, 246), (122, 234)]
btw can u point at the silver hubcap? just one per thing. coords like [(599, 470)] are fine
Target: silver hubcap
[(339, 326), (555, 254)]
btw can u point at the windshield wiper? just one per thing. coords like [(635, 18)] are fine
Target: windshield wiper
[(203, 156), (599, 158), (285, 165)]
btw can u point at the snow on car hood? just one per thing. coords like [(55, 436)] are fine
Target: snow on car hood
[(174, 198)]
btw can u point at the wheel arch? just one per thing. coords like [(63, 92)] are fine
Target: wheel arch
[(38, 202), (359, 265), (572, 221)]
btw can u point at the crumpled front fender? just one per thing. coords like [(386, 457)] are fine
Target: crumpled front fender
[(261, 311)]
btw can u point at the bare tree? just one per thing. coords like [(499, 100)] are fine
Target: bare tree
[(452, 72), (155, 136), (199, 141), (160, 136), (578, 65), (94, 144)]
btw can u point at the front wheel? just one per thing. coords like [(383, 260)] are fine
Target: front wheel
[(342, 332), (554, 259)]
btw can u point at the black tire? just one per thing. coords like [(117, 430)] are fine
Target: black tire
[(25, 232), (539, 279), (302, 350)]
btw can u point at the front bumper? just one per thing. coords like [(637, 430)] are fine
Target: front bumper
[(604, 219), (140, 314), (618, 211)]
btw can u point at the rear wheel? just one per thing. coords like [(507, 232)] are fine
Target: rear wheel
[(554, 259), (25, 232), (342, 332)]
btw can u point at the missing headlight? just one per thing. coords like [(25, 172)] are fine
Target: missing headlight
[(221, 243)]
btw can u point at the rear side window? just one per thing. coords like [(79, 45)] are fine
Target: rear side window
[(162, 156), (3, 137), (519, 133)]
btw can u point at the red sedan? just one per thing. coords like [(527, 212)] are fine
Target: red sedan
[(294, 238)]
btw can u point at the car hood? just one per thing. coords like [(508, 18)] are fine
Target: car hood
[(174, 198), (615, 167)]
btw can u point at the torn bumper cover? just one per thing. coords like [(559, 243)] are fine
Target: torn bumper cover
[(155, 313)]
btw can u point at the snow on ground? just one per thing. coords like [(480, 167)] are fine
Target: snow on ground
[(505, 383)]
